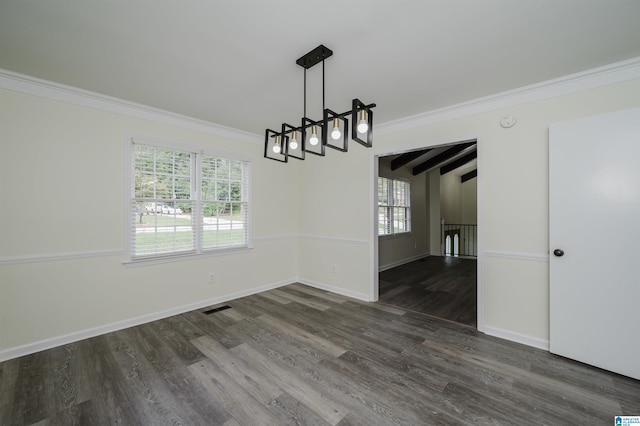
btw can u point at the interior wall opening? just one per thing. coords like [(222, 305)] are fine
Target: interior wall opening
[(428, 263)]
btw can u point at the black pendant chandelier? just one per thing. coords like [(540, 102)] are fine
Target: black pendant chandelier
[(332, 130)]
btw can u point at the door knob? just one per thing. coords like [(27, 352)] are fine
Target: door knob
[(558, 252)]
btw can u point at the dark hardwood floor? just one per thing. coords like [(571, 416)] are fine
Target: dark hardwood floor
[(444, 287), (301, 356)]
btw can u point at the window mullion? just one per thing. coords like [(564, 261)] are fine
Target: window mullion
[(155, 173), (390, 198), (197, 209)]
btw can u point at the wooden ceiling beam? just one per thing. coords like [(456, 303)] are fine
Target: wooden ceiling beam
[(458, 163), (468, 176), (441, 158), (408, 157)]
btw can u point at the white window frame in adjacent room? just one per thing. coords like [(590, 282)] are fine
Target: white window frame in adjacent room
[(393, 207), (184, 201)]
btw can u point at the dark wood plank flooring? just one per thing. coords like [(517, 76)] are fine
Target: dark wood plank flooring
[(444, 287), (301, 356)]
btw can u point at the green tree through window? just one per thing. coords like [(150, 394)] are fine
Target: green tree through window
[(186, 202)]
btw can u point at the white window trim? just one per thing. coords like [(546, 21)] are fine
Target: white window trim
[(129, 261), (402, 234)]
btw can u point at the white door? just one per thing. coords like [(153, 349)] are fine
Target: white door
[(594, 223)]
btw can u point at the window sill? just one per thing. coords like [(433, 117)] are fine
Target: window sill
[(160, 260)]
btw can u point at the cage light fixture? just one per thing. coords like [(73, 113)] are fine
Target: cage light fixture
[(332, 130)]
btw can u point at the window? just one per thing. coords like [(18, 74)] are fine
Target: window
[(394, 206), (185, 202)]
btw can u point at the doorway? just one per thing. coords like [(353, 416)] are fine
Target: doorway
[(413, 271)]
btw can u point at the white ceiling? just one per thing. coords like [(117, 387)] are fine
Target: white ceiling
[(233, 62)]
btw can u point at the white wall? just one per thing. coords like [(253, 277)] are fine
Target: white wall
[(458, 201), (450, 198), (459, 204), (62, 172), (469, 202), (402, 248), (335, 195), (513, 185), (513, 199), (434, 213)]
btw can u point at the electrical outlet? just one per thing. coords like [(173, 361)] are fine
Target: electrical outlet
[(212, 277), (334, 268)]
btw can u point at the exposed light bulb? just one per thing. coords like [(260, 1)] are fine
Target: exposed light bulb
[(276, 147), (363, 126), (313, 140), (293, 143), (335, 133)]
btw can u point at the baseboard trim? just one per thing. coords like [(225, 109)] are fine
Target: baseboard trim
[(337, 290), (53, 342), (403, 261), (516, 337)]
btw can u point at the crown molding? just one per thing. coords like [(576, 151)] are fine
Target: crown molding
[(21, 83), (617, 72), (590, 79)]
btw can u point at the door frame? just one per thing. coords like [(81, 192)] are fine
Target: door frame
[(374, 288)]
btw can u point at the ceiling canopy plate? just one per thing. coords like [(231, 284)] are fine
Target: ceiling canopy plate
[(312, 58)]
